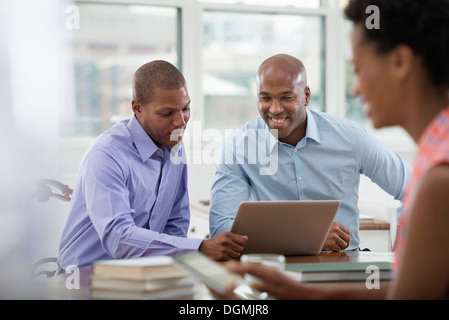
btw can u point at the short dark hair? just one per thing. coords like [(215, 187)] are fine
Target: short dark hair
[(421, 25), (155, 74)]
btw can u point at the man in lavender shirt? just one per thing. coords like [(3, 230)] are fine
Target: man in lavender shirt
[(130, 198)]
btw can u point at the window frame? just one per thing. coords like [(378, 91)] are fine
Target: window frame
[(330, 72), (190, 34), (190, 46)]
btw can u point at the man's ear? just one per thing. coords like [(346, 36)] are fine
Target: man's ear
[(137, 107), (307, 94)]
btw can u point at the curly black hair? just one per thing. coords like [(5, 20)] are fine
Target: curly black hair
[(421, 25)]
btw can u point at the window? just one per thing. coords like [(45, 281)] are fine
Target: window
[(354, 110), (278, 3), (236, 43), (112, 42), (115, 39)]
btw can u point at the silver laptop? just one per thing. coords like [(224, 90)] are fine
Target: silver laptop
[(285, 227)]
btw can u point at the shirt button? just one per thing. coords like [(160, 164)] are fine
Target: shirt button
[(299, 178), (296, 150)]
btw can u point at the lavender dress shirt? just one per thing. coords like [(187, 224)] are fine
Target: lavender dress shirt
[(129, 200)]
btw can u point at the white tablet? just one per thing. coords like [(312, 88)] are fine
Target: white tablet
[(216, 276)]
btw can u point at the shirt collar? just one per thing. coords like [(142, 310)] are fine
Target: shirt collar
[(142, 141), (312, 131)]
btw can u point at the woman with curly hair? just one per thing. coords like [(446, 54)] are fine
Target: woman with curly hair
[(403, 79)]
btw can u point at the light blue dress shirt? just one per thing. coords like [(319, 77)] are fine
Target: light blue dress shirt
[(129, 200), (325, 165)]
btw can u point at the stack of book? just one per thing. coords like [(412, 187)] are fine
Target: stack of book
[(141, 278), (340, 271)]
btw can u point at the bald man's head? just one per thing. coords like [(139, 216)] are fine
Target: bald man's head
[(283, 97), (282, 65)]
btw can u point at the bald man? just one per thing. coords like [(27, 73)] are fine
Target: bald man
[(311, 156), (130, 199)]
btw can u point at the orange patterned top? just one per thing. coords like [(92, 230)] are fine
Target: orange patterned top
[(433, 149)]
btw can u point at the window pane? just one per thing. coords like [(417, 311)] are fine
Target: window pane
[(354, 109), (235, 44), (111, 43), (277, 3)]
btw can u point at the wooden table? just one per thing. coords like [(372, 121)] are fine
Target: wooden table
[(56, 288)]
